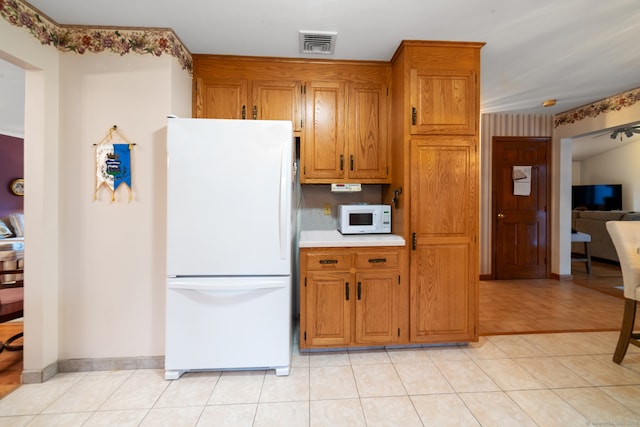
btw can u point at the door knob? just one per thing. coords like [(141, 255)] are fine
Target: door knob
[(500, 215)]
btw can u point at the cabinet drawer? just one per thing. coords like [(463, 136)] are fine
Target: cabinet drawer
[(328, 261), (377, 260)]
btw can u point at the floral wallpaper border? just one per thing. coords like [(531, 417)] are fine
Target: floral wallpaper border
[(82, 39), (614, 103)]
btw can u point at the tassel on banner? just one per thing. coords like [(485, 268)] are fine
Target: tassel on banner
[(113, 165)]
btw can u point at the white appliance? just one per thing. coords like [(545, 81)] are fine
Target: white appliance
[(364, 219), (229, 245)]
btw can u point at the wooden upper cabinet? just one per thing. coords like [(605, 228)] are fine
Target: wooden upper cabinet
[(229, 98), (277, 100), (346, 133), (368, 134), (340, 110), (443, 102), (221, 98), (323, 149)]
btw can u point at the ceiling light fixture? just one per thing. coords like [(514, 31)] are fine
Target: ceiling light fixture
[(627, 131), (549, 103)]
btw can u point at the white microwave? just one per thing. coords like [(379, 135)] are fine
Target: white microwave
[(364, 219)]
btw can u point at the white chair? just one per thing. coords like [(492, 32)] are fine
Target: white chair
[(626, 239)]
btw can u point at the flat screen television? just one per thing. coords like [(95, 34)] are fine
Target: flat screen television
[(602, 197)]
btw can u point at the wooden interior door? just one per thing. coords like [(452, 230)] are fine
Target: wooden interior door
[(520, 222)]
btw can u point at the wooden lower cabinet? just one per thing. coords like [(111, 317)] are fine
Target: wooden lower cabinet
[(349, 296)]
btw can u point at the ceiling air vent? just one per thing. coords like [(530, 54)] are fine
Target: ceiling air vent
[(320, 42)]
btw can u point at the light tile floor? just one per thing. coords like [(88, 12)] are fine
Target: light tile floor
[(511, 380)]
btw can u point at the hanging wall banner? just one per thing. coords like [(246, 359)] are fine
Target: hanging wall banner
[(113, 168)]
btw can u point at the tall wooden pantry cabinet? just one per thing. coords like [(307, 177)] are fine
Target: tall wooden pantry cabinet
[(435, 115)]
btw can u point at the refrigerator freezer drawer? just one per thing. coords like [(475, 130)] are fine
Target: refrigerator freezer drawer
[(232, 323)]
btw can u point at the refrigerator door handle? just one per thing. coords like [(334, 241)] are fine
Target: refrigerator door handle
[(226, 287), (284, 175)]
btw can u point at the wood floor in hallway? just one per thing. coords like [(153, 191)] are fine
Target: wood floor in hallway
[(588, 302), (585, 303)]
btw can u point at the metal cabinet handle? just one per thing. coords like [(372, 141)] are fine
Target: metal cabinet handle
[(328, 261), (500, 215), (377, 260), (359, 291), (255, 112), (346, 290), (244, 112), (414, 115), (414, 241), (351, 162), (341, 161)]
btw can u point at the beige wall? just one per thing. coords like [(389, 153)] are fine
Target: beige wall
[(94, 268), (41, 199), (112, 254)]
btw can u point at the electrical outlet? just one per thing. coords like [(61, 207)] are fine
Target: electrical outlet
[(327, 208)]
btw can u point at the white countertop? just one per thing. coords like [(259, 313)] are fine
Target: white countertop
[(333, 238)]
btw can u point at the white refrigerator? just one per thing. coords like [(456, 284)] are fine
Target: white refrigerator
[(229, 245)]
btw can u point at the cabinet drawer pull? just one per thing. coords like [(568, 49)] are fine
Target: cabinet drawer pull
[(341, 162), (255, 112), (414, 114), (244, 112), (351, 162), (346, 290), (328, 261), (359, 291), (377, 260)]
